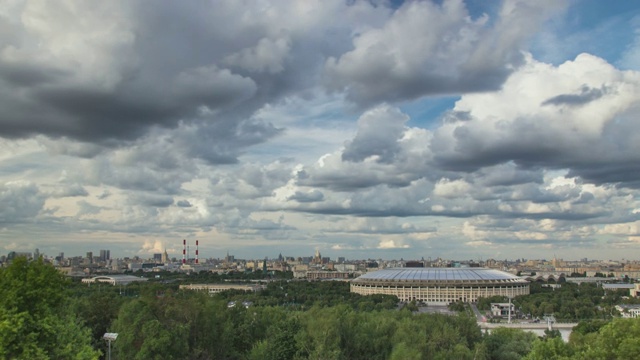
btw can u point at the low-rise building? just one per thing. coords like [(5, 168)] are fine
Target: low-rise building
[(318, 275), (629, 311), (216, 288), (502, 309)]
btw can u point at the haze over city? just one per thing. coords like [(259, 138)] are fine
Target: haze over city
[(365, 129)]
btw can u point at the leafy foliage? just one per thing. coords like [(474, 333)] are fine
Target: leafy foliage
[(43, 316), (35, 322)]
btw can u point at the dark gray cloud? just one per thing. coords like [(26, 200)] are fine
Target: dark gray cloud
[(70, 190), (151, 200), (105, 194), (585, 96), (99, 83), (508, 174), (306, 197), (183, 203)]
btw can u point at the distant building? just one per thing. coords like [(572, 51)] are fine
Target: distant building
[(317, 258), (157, 257), (345, 267), (502, 309), (618, 286), (629, 311), (414, 264), (113, 279), (318, 275), (216, 288), (105, 255)]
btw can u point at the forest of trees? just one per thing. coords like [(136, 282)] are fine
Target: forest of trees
[(45, 316), (570, 302)]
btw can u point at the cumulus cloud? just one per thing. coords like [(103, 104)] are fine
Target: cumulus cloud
[(268, 55), (241, 121), (21, 201), (447, 51), (152, 247), (391, 244), (592, 134), (379, 131)]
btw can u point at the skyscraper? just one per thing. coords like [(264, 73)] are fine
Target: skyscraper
[(105, 255)]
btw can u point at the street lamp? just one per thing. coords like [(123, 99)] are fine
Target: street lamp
[(110, 337)]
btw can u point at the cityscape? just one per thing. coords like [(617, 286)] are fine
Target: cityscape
[(318, 266)]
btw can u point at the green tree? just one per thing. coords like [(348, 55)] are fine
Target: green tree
[(619, 339), (551, 349), (402, 351), (507, 343), (145, 333), (98, 309), (35, 321), (280, 344)]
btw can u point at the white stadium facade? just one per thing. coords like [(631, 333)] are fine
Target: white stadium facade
[(440, 286)]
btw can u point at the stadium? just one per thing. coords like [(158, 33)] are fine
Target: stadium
[(440, 286)]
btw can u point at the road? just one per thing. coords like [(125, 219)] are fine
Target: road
[(479, 317)]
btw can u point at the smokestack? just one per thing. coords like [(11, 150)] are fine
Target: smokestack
[(196, 252), (184, 252)]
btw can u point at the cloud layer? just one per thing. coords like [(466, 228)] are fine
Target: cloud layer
[(285, 126)]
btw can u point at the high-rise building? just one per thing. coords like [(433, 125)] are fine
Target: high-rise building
[(90, 257), (105, 255), (157, 257)]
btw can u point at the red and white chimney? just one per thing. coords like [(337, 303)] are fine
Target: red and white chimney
[(196, 252), (184, 252)]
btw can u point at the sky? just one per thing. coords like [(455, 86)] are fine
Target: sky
[(364, 129)]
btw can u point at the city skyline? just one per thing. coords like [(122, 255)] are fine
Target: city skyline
[(365, 129)]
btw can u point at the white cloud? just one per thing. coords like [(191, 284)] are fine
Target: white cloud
[(391, 244)]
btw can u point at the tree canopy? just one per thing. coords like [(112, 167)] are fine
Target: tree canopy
[(34, 319)]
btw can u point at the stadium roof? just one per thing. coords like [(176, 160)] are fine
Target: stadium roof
[(439, 275)]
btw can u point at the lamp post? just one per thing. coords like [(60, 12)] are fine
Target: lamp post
[(110, 337)]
